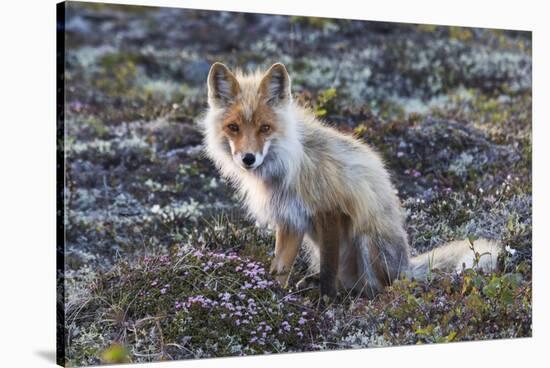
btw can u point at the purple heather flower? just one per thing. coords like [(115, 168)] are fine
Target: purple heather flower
[(232, 256), (261, 284), (290, 298), (285, 325), (201, 300)]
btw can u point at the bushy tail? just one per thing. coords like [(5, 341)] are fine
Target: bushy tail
[(452, 256)]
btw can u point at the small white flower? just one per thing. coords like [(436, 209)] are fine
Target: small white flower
[(155, 208), (213, 183), (510, 250)]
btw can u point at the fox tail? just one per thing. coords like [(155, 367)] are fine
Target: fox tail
[(455, 255)]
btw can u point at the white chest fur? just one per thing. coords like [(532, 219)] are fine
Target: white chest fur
[(274, 203)]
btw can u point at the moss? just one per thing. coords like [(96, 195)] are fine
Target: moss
[(450, 308), (116, 75), (460, 33), (131, 9), (313, 22), (325, 103), (426, 27)]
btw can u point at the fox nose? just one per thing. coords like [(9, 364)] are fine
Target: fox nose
[(249, 159)]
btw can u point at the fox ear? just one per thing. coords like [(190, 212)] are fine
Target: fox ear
[(222, 86), (275, 86)]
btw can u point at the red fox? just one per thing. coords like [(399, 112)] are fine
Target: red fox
[(317, 186)]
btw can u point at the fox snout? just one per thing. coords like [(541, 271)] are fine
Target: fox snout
[(250, 160)]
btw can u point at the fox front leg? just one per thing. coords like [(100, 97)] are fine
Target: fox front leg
[(287, 245)]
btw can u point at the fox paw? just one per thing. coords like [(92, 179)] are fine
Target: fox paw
[(309, 281)]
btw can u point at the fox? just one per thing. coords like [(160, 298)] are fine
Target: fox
[(317, 187)]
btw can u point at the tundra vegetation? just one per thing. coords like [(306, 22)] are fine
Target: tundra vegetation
[(162, 263)]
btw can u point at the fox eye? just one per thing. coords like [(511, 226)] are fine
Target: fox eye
[(265, 128), (233, 127)]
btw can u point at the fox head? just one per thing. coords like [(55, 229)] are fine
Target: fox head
[(246, 115)]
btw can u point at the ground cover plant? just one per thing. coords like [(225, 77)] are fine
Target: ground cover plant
[(162, 263)]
